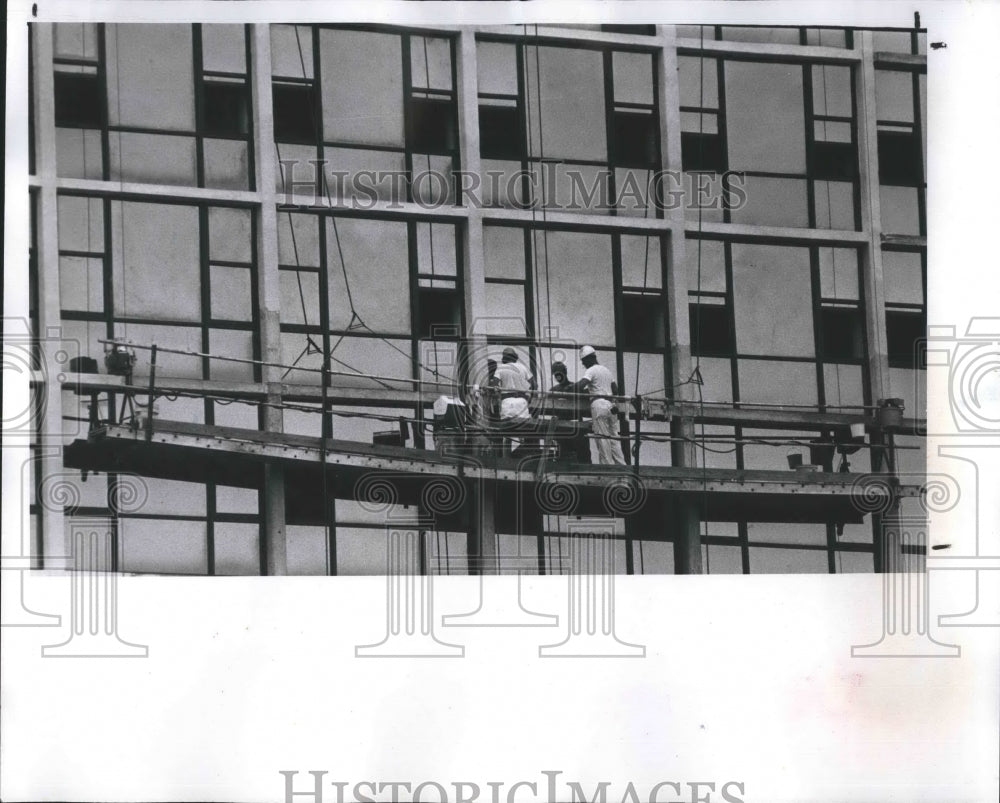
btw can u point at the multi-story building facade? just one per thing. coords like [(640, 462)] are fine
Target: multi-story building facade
[(323, 228)]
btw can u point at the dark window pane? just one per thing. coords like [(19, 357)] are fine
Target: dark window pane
[(635, 140), (899, 158), (710, 330), (842, 333), (645, 30), (643, 322), (906, 337), (833, 161), (499, 133), (224, 110), (440, 314), (430, 126), (78, 100), (702, 152), (294, 113)]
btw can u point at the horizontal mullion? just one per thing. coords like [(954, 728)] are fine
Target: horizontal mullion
[(362, 147), (226, 263), (162, 193), (135, 129), (70, 252)]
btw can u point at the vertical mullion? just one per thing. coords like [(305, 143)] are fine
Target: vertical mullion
[(820, 345), (199, 103), (723, 136), (251, 117), (609, 130), (810, 133), (404, 40), (102, 77)]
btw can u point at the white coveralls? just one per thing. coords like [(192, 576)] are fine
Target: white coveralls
[(604, 423)]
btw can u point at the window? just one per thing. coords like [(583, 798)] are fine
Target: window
[(906, 332), (643, 322), (900, 102), (294, 113), (590, 114), (225, 109), (78, 99), (430, 126)]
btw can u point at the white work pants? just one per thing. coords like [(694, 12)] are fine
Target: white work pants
[(604, 424)]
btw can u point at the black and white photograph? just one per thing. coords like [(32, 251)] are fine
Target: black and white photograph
[(500, 332)]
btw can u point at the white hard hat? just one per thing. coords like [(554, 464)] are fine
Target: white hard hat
[(586, 351)]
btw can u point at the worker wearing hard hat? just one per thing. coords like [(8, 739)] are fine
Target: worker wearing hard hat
[(516, 382), (578, 444), (600, 383)]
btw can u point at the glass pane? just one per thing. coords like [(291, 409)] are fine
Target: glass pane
[(503, 183), (307, 550), (150, 76), (641, 266), (78, 153), (903, 274), (855, 562), (496, 64), (831, 90), (231, 343), (298, 239), (764, 382), (505, 303), (572, 122), (439, 260), (633, 77), (75, 40), (838, 271), (237, 548), (578, 291), (843, 384), (299, 297), (720, 559), (81, 223), (504, 252), (710, 256), (226, 164), (775, 278), (365, 552), (787, 533), (774, 202), (152, 158), (430, 63), (894, 96), (786, 36), (699, 82), (81, 284), (297, 174), (229, 234), (900, 210), (223, 48), (765, 117), (164, 546), (363, 87), (291, 51), (834, 205), (383, 180), (717, 379), (765, 560), (156, 246), (376, 260), (649, 368), (893, 41)]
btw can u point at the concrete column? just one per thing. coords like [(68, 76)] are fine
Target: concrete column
[(49, 321), (686, 522), (482, 540), (871, 219), (273, 530)]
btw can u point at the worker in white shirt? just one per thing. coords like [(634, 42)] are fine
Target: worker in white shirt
[(599, 382), (516, 382)]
